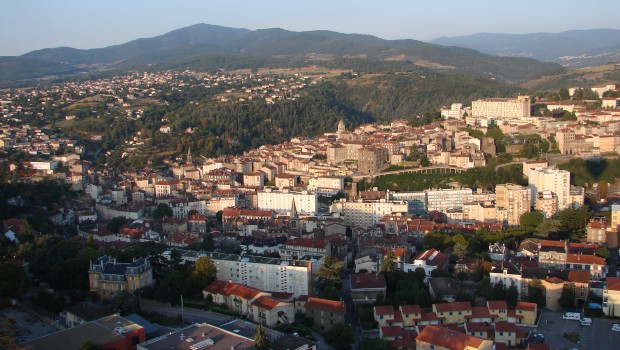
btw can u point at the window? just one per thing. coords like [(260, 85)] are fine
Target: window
[(501, 333)]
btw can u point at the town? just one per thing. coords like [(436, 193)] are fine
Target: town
[(467, 232)]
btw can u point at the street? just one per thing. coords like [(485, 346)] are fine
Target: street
[(189, 315), (598, 336)]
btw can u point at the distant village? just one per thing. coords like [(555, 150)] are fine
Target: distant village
[(293, 206)]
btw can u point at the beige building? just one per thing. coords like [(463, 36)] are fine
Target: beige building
[(502, 107), (108, 277), (611, 297), (547, 203), (516, 199), (440, 338)]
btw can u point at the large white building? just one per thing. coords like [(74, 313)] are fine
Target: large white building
[(442, 200), (502, 107), (281, 201), (550, 179), (367, 213), (268, 274)]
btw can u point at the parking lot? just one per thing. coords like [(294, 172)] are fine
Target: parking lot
[(598, 336)]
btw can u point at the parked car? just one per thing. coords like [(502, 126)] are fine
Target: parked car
[(572, 316), (615, 327), (586, 321)]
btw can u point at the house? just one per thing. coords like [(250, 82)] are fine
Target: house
[(528, 311), (497, 251), (592, 263), (499, 309), (611, 297), (581, 282), (443, 287), (435, 337), (410, 315), (255, 304), (325, 313), (429, 260), (505, 332), (456, 312), (366, 286), (467, 265), (111, 332), (108, 277), (384, 314), (479, 329)]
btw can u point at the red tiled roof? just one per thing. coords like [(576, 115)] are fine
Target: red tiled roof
[(579, 276), (302, 298), (497, 305), (503, 326), (384, 310), (479, 312), (584, 259), (265, 302), (392, 331), (307, 243), (548, 243), (227, 288), (326, 305), (447, 338), (476, 327), (457, 306), (613, 283), (523, 305), (410, 309), (367, 280)]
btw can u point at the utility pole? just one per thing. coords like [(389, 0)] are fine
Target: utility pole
[(182, 315)]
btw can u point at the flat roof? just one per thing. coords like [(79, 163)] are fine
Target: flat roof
[(183, 339)]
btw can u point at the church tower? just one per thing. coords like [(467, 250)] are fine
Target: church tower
[(189, 155), (341, 127)]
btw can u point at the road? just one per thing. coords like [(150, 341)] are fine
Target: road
[(598, 336)]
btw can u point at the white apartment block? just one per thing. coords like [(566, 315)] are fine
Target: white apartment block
[(516, 199), (281, 201), (442, 200), (268, 274), (554, 180), (219, 203), (456, 111), (330, 182), (367, 214), (502, 107)]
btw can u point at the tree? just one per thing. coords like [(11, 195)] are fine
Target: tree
[(602, 252), (260, 339), (203, 272), (533, 218), (162, 211), (380, 300), (420, 275), (340, 335), (564, 94), (389, 262), (536, 292), (567, 297), (8, 334), (331, 270), (331, 293), (548, 227), (14, 279), (602, 189), (126, 303), (115, 224), (512, 295), (375, 344)]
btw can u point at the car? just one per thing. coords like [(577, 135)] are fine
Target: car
[(586, 321), (296, 334), (571, 316), (615, 327)]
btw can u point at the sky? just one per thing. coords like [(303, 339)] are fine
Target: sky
[(27, 25)]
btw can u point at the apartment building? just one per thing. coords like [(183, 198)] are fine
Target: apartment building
[(108, 277), (516, 199), (611, 297), (325, 313), (547, 203), (281, 201), (444, 199), (268, 274), (550, 179), (299, 247), (368, 213), (502, 107)]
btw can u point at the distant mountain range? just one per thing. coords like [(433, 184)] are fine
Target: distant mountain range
[(204, 46), (575, 48)]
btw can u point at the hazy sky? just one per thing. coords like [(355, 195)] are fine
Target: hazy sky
[(27, 25)]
